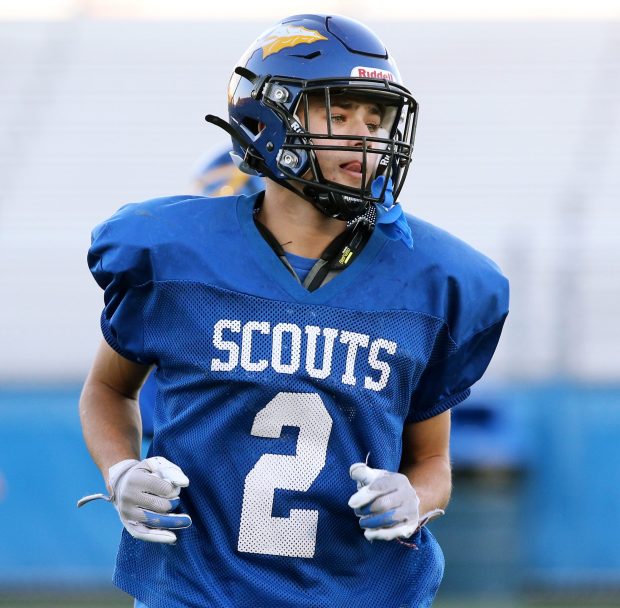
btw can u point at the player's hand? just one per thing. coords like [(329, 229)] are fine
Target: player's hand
[(385, 502), (144, 492)]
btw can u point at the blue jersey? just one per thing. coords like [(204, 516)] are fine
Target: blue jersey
[(267, 393)]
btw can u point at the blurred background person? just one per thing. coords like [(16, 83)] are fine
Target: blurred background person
[(217, 175)]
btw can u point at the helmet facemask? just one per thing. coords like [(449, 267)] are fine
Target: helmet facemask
[(280, 142), (309, 140)]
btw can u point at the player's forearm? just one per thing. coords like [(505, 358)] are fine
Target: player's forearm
[(432, 480), (111, 425)]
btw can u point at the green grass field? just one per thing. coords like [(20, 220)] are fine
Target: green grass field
[(121, 601)]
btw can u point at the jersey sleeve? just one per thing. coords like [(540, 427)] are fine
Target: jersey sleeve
[(121, 262), (476, 304), (447, 380)]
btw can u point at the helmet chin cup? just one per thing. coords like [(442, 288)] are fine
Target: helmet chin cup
[(335, 204)]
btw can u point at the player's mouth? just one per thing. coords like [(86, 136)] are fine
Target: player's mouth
[(353, 168)]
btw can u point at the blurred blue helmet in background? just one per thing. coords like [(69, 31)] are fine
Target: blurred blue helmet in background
[(217, 175)]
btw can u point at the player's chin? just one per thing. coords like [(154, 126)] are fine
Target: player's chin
[(350, 179)]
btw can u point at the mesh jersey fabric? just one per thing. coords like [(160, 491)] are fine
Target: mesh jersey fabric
[(267, 393)]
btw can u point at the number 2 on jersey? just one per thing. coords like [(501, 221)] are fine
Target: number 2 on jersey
[(293, 536)]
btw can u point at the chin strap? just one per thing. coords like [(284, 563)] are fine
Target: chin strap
[(390, 217), (237, 136)]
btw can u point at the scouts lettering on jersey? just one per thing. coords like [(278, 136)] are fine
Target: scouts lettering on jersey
[(300, 346)]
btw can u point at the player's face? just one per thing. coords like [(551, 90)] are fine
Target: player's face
[(349, 117)]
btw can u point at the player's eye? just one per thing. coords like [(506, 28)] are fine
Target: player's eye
[(338, 118), (373, 127)]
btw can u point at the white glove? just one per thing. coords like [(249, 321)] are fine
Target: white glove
[(386, 503), (144, 492)]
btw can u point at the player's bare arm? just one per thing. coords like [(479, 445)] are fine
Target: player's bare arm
[(109, 409), (394, 505), (426, 461), (144, 492)]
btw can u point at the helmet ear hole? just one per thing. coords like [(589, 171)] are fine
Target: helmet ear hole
[(251, 125)]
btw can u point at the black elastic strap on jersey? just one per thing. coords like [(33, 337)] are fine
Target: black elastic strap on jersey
[(339, 254), (278, 249)]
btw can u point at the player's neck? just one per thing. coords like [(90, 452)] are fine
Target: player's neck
[(299, 227)]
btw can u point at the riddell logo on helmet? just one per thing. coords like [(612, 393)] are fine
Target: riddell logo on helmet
[(361, 72)]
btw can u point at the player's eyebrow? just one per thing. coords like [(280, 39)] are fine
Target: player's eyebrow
[(348, 104)]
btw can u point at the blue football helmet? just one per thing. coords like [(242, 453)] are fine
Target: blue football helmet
[(217, 175), (319, 57)]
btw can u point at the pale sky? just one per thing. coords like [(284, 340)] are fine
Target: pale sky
[(275, 9)]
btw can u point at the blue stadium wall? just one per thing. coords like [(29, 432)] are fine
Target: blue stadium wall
[(535, 504)]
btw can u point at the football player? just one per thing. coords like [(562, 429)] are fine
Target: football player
[(309, 342)]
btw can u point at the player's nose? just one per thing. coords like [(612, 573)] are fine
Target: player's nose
[(358, 127), (361, 144)]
